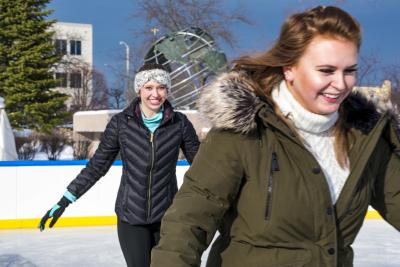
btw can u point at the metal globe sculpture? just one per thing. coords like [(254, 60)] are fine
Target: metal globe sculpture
[(192, 58)]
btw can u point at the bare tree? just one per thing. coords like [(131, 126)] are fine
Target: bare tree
[(335, 2), (392, 73), (27, 146), (88, 87), (164, 16), (81, 149), (117, 99), (100, 91), (121, 91), (367, 71), (53, 144)]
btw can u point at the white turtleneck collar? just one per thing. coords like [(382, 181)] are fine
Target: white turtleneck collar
[(302, 118)]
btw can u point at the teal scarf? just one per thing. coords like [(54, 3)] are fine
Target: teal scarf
[(153, 122)]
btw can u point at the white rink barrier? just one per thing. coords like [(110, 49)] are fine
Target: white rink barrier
[(29, 188)]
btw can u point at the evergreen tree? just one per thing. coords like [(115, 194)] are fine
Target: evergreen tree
[(26, 60)]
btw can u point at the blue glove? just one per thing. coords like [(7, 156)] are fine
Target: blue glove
[(57, 210)]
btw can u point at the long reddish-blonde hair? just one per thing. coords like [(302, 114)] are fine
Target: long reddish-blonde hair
[(266, 69)]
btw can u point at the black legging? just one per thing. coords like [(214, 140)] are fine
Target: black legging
[(136, 242)]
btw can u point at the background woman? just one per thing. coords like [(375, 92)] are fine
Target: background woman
[(148, 135), (294, 158)]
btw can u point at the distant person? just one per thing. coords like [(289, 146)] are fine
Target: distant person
[(148, 135), (294, 158)]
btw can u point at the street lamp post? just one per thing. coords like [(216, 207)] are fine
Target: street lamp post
[(126, 62)]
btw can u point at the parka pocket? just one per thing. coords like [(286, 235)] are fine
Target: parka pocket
[(241, 253), (270, 185)]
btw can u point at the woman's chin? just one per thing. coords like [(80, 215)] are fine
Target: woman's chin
[(327, 110)]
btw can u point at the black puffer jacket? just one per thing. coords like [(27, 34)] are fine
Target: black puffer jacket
[(148, 182)]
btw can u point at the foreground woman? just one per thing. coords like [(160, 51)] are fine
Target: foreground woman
[(294, 158)]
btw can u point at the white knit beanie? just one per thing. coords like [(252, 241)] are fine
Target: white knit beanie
[(158, 75)]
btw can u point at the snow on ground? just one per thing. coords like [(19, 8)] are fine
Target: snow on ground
[(376, 246), (66, 154), (61, 247)]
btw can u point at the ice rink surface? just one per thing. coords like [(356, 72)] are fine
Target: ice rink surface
[(377, 245)]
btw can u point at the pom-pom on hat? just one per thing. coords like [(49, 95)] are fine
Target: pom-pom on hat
[(152, 72)]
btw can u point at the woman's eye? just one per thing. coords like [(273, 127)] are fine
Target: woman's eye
[(350, 71), (327, 71)]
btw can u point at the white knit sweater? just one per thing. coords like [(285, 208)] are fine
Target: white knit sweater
[(317, 132)]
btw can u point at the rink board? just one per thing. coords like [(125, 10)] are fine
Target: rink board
[(29, 188)]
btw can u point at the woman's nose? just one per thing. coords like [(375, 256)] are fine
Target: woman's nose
[(154, 92), (339, 82)]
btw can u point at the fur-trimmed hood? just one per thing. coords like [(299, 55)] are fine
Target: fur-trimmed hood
[(230, 102)]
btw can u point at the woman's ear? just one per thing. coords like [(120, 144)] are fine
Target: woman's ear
[(288, 73)]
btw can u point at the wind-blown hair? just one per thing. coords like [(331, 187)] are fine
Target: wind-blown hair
[(297, 32)]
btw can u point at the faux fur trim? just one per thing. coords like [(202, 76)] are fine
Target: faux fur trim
[(230, 102), (364, 110)]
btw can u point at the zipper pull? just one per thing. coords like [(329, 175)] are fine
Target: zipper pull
[(151, 138), (274, 162)]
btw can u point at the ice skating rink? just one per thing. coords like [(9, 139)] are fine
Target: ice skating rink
[(378, 245)]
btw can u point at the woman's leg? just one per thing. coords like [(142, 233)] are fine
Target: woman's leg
[(136, 242), (155, 230)]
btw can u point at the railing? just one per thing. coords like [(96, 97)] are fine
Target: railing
[(29, 188)]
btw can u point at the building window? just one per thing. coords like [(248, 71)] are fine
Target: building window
[(61, 79), (61, 46), (75, 80), (75, 47)]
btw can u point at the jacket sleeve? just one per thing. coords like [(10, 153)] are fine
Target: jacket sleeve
[(210, 186), (190, 143), (101, 161), (386, 197)]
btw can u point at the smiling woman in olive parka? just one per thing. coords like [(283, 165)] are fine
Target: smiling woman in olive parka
[(294, 159)]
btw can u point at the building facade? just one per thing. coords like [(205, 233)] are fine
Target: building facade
[(73, 73)]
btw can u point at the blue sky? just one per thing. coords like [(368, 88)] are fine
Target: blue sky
[(113, 22)]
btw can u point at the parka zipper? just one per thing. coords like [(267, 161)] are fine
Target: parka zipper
[(150, 177), (274, 168)]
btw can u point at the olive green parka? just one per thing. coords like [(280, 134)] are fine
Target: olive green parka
[(255, 182)]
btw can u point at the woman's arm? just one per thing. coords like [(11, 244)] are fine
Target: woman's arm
[(386, 197), (190, 143), (209, 188), (101, 161)]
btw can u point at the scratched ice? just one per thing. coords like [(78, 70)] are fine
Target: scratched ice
[(376, 246)]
